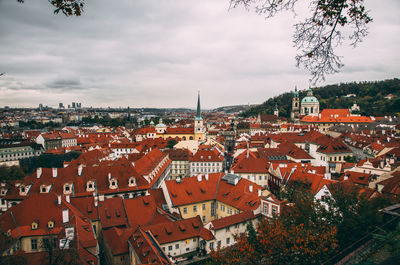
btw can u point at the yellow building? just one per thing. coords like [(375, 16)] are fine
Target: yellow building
[(198, 132), (211, 196)]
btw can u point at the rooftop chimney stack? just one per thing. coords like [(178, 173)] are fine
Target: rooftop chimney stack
[(38, 172), (54, 171), (80, 168), (199, 178), (251, 187)]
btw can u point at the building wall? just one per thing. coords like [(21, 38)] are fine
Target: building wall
[(192, 210), (204, 167), (180, 168), (181, 247), (258, 178)]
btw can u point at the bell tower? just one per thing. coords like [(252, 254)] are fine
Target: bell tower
[(199, 130), (295, 104)]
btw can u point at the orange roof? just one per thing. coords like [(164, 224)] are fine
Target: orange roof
[(232, 220), (190, 190)]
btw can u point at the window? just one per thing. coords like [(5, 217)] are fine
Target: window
[(204, 207), (228, 240), (274, 210), (211, 245), (177, 246), (266, 208), (219, 243), (46, 244), (185, 210), (34, 244), (195, 208), (204, 219), (169, 247), (43, 189)]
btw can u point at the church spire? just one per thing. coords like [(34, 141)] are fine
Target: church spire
[(198, 115)]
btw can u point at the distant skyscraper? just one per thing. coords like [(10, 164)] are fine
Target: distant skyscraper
[(40, 106), (60, 105), (73, 105)]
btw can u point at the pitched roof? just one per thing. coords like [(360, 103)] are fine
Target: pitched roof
[(232, 220), (190, 190)]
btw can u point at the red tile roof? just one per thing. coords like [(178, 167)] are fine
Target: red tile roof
[(232, 220), (189, 191)]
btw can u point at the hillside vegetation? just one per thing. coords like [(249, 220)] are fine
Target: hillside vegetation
[(370, 96)]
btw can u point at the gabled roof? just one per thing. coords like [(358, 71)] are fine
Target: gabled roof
[(190, 190), (232, 220), (176, 231)]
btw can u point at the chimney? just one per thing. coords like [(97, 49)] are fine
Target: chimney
[(178, 180), (199, 178), (327, 176), (59, 200), (95, 198), (101, 197), (206, 176), (251, 187), (54, 171), (67, 198), (38, 172), (65, 216), (345, 177), (259, 192), (80, 168), (109, 175)]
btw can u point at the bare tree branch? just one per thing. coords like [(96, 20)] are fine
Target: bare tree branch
[(317, 36)]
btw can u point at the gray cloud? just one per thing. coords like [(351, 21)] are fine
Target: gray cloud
[(65, 84), (159, 53)]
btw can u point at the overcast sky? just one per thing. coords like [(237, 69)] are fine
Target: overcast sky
[(159, 53)]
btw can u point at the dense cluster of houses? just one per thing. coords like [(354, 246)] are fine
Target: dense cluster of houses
[(164, 193)]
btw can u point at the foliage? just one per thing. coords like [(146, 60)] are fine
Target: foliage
[(308, 231), (319, 34), (29, 165), (277, 243), (67, 7), (370, 96), (350, 159), (171, 143), (353, 214), (11, 173), (38, 125)]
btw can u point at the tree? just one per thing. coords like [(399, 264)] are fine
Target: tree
[(171, 143), (67, 7), (277, 243), (317, 36)]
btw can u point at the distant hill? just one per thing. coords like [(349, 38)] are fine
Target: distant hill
[(233, 109), (370, 96)]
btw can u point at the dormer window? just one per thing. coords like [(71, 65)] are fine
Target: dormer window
[(90, 186), (132, 182), (43, 189), (113, 183), (50, 224), (35, 225), (67, 188), (23, 189)]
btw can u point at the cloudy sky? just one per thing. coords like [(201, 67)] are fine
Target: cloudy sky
[(159, 53)]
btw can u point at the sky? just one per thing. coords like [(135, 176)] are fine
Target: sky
[(160, 53)]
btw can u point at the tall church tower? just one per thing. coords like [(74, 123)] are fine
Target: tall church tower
[(295, 104), (199, 130), (276, 110)]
